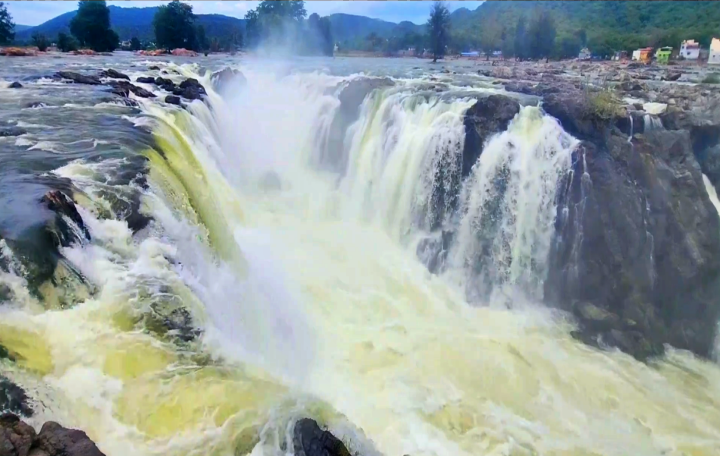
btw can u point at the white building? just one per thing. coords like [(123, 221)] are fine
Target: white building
[(690, 50), (714, 57)]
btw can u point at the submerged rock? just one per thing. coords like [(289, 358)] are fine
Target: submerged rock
[(15, 85), (78, 78), (173, 99), (310, 440), (11, 131), (13, 398), (145, 80), (110, 73)]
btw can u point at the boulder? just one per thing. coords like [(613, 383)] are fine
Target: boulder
[(228, 78), (145, 80), (123, 88), (13, 398), (55, 440), (78, 78), (310, 440), (672, 76), (15, 85), (154, 68), (16, 437), (190, 89), (173, 99), (114, 74), (165, 83)]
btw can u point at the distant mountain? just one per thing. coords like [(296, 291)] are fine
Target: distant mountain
[(19, 28), (134, 22), (349, 29)]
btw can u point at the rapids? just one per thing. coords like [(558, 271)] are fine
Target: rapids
[(312, 302)]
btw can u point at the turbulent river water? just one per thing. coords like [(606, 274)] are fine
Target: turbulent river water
[(302, 276)]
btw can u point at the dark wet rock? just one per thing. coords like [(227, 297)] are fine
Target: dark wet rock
[(672, 76), (154, 68), (485, 118), (637, 239), (123, 88), (78, 78), (65, 209), (228, 78), (145, 80), (168, 318), (114, 74), (520, 87), (16, 436), (351, 96), (13, 398), (11, 131), (190, 89), (173, 99), (433, 251), (15, 85), (165, 84), (55, 440), (310, 440), (35, 104)]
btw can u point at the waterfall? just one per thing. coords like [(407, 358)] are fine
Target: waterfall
[(652, 122)]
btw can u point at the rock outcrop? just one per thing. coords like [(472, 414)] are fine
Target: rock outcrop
[(114, 74), (78, 78), (123, 88), (190, 89), (228, 79), (64, 208), (15, 85), (636, 256), (310, 440), (19, 439)]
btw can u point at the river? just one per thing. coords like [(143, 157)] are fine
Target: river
[(296, 259)]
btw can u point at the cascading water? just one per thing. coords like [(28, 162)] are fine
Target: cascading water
[(309, 300)]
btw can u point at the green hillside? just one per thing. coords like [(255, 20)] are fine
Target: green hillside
[(617, 23), (134, 22)]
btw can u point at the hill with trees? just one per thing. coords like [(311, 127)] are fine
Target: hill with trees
[(134, 22)]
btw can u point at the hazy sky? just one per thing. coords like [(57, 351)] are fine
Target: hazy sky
[(37, 12)]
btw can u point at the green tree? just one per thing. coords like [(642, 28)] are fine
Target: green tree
[(40, 41), (7, 26), (200, 38), (490, 39), (174, 26), (276, 23), (520, 42), (541, 34), (91, 26), (66, 43), (374, 42), (438, 25), (135, 44), (568, 47)]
